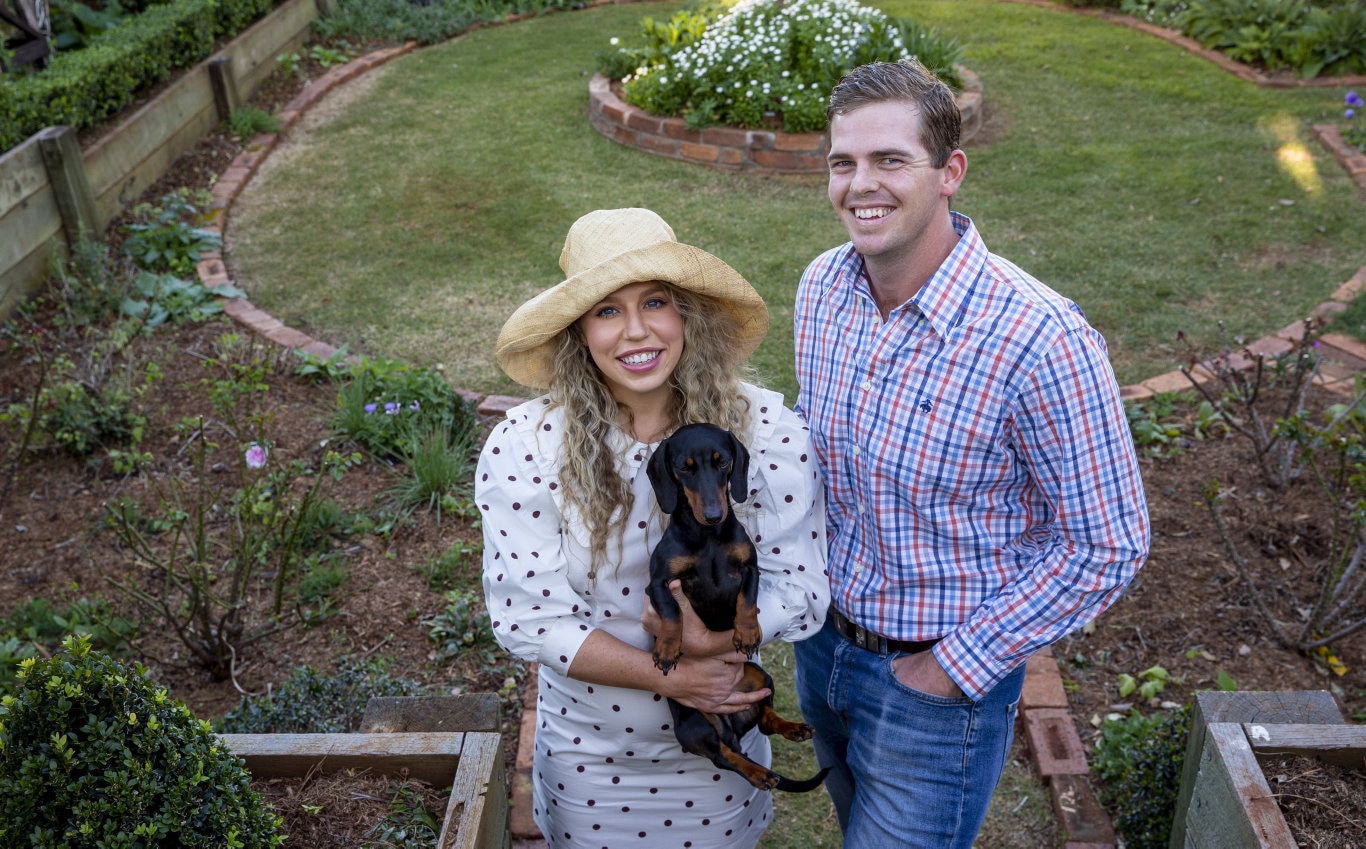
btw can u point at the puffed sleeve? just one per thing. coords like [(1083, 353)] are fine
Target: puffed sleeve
[(536, 613), (785, 515)]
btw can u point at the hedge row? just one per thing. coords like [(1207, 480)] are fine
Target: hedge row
[(82, 87)]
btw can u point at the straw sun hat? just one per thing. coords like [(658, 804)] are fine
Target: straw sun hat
[(604, 251)]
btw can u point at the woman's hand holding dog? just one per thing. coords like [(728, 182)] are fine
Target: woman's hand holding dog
[(710, 669), (708, 684)]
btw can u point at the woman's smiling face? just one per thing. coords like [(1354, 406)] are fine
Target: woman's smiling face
[(635, 336)]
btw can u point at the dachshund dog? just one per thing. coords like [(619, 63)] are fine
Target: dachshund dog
[(694, 474)]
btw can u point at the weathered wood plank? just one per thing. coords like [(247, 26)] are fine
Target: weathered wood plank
[(1313, 706), (21, 174), (1232, 804), (70, 186), (253, 53), (1343, 745), (464, 712), (130, 158), (482, 789), (430, 757), (28, 226)]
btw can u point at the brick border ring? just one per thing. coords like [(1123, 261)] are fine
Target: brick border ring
[(729, 148)]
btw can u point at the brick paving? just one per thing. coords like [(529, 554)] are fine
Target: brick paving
[(1045, 722)]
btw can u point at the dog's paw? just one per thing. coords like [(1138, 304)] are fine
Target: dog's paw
[(666, 654), (801, 733), (747, 639)]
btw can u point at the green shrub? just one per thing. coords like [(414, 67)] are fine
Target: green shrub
[(92, 753), (1139, 759), (313, 702), (388, 407)]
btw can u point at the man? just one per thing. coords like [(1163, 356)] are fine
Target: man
[(983, 497)]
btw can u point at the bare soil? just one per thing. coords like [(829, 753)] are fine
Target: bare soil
[(1188, 611)]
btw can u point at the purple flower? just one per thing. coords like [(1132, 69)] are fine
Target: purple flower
[(391, 407), (256, 455), (414, 406), (1350, 113), (370, 408), (1353, 99)]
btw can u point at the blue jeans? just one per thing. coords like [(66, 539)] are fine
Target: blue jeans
[(908, 769)]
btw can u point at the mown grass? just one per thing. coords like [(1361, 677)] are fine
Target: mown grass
[(1159, 192)]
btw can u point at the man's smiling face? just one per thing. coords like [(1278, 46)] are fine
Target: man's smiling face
[(883, 183)]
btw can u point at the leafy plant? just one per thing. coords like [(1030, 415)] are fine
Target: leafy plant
[(408, 822), (1139, 759), (327, 55), (311, 701), (40, 622), (251, 121), (463, 625), (1149, 683), (289, 63), (1148, 431), (389, 408), (760, 62), (75, 24), (165, 237), (92, 753)]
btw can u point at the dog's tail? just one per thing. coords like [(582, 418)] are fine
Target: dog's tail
[(791, 786)]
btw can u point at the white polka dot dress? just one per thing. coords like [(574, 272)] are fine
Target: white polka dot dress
[(608, 771)]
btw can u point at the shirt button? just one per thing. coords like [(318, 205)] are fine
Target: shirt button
[(867, 385), (858, 568), (860, 509), (857, 451)]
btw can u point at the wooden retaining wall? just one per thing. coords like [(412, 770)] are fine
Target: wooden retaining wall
[(50, 188)]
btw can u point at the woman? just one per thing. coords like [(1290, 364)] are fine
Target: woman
[(645, 335)]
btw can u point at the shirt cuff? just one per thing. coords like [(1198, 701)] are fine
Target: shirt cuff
[(562, 643)]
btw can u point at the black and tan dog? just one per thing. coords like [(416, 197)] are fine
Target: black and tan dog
[(694, 472)]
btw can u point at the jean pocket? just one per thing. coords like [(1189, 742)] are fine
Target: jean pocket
[(921, 695)]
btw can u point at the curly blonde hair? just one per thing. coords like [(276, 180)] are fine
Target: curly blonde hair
[(705, 388)]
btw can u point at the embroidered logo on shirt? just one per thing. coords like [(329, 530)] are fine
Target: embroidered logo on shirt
[(925, 406)]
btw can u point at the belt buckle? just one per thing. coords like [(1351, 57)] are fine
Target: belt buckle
[(867, 640)]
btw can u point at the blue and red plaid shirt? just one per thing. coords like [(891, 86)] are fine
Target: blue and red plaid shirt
[(981, 480)]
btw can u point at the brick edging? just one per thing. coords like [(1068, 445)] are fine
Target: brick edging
[(732, 148)]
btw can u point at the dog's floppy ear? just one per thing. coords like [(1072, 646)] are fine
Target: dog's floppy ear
[(739, 470), (666, 489)]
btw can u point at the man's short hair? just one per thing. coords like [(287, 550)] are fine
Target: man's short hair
[(910, 82)]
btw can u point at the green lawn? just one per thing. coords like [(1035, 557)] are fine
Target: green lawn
[(1159, 192)]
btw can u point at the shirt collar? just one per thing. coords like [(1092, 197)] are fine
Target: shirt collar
[(944, 297)]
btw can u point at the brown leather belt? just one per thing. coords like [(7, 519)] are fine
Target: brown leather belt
[(865, 639)]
